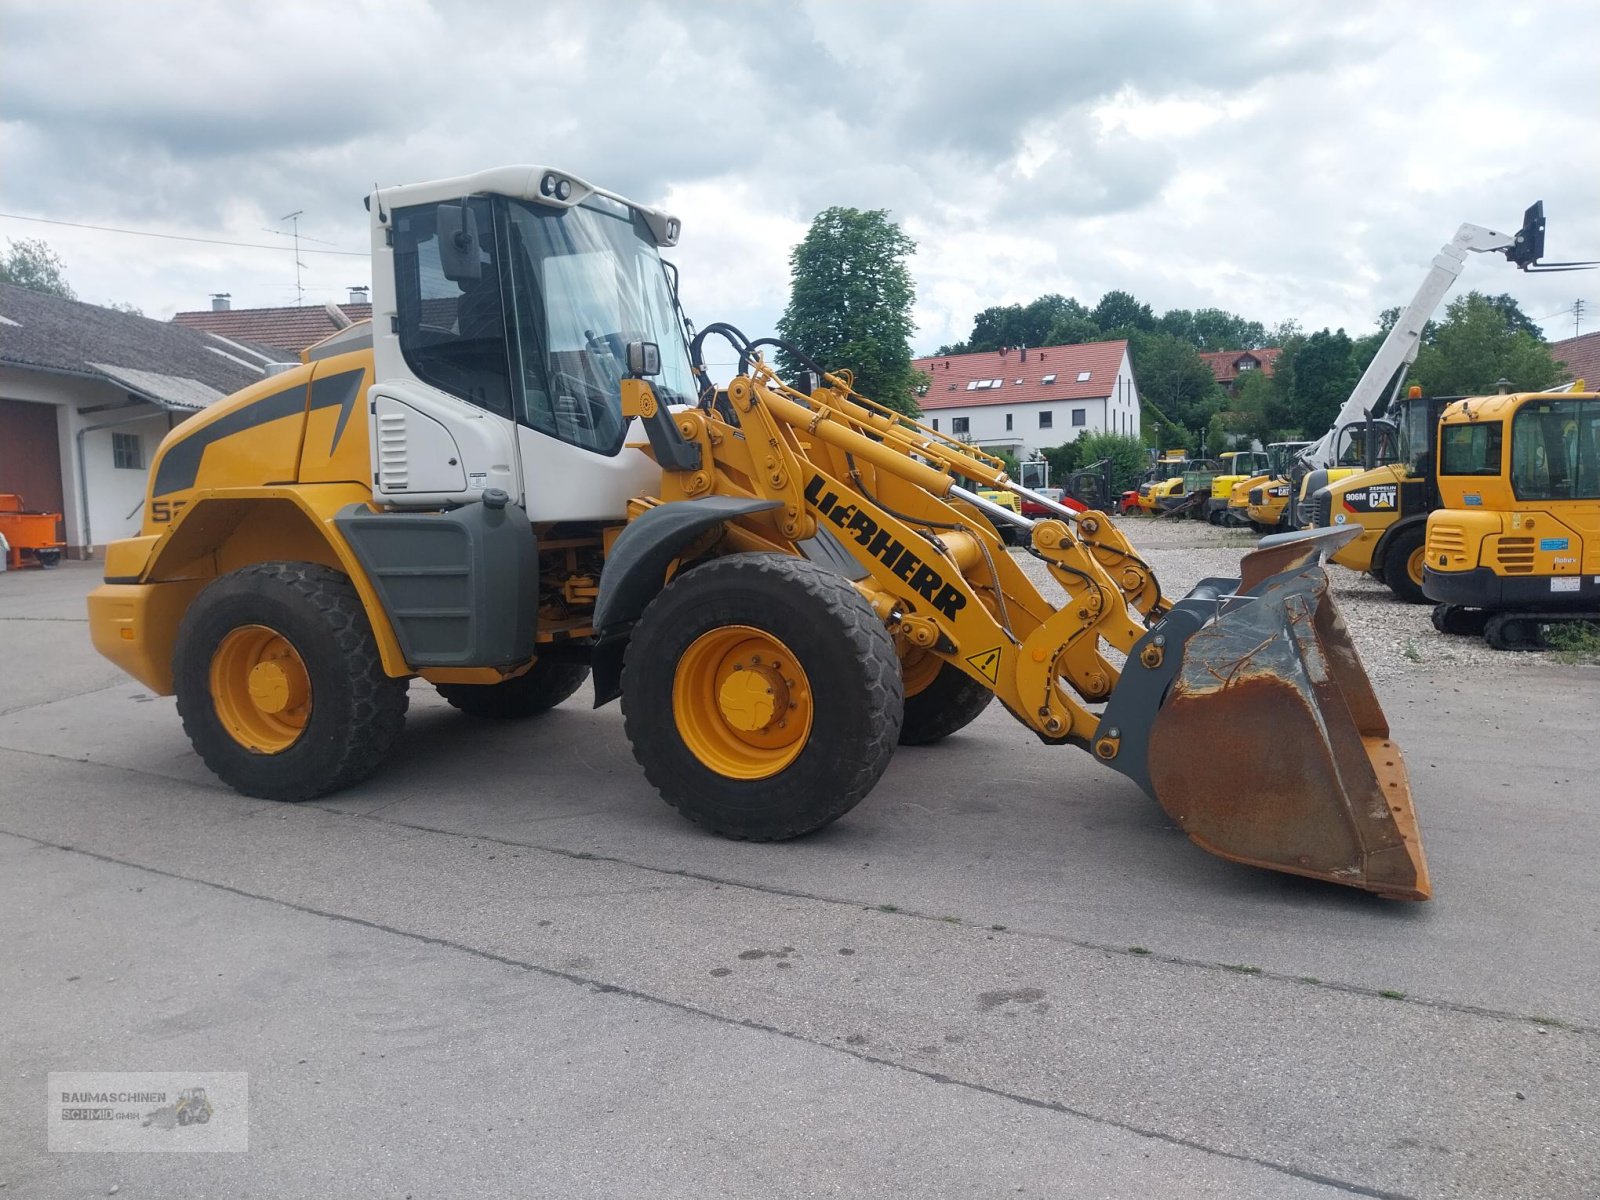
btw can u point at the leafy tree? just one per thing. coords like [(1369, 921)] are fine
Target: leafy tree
[(1073, 330), (1216, 436), (1214, 329), (30, 263), (1515, 318), (125, 306), (1479, 343), (1323, 371), (1127, 453), (1262, 407), (1119, 314), (1063, 459), (850, 298), (1020, 324), (1174, 378)]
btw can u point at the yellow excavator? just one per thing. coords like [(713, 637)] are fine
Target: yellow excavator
[(1514, 545), (520, 475)]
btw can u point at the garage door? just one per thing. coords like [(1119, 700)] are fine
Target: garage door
[(30, 455)]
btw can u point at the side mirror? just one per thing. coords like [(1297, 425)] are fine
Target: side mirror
[(644, 359), (458, 243)]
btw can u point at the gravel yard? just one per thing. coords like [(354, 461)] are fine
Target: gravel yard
[(1395, 639)]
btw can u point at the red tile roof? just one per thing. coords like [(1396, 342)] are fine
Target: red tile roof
[(1224, 364), (289, 329), (1022, 378), (1582, 356)]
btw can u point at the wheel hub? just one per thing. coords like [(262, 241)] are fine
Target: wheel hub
[(751, 698), (742, 702), (260, 689)]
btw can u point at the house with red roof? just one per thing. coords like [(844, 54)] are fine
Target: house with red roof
[(1581, 355), (1024, 399), (286, 330), (1229, 366)]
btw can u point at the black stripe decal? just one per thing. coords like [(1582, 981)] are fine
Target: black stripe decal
[(180, 465), (341, 389)]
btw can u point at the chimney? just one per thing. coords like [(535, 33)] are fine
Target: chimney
[(358, 295), (1024, 354), (221, 301)]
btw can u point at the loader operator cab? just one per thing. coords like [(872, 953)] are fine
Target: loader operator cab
[(526, 310)]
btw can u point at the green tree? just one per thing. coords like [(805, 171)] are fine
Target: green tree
[(1479, 343), (1216, 436), (30, 263), (1322, 372), (1119, 314), (1175, 379), (850, 298), (1214, 329), (1063, 459), (1127, 453), (1073, 330)]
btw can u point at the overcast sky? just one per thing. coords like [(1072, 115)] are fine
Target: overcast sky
[(1302, 160)]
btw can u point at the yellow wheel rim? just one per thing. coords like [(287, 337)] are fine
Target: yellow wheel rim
[(742, 702), (260, 689), (919, 668), (1414, 564)]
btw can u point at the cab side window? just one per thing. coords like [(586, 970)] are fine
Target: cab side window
[(448, 299)]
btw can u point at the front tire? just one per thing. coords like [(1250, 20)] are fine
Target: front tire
[(280, 685), (540, 688), (762, 695), (1402, 564)]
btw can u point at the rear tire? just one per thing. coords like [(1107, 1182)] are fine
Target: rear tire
[(951, 702), (1402, 564), (703, 711), (543, 686), (353, 712)]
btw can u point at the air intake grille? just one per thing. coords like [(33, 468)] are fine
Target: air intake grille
[(1447, 546), (1321, 510), (1258, 496), (1515, 555), (393, 475)]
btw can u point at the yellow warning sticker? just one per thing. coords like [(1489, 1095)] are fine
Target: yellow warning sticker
[(987, 663)]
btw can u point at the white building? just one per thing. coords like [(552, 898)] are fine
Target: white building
[(86, 395), (1022, 400)]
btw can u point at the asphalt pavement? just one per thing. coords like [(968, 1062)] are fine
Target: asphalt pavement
[(504, 967)]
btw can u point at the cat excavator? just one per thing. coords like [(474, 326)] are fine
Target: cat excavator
[(520, 475)]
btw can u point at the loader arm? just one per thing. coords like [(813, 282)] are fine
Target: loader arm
[(1328, 795)]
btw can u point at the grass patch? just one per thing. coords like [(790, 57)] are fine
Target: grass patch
[(888, 908), (1137, 950), (1308, 979), (951, 920), (1391, 994), (1411, 652), (1574, 641), (1242, 969), (1552, 1022), (998, 928)]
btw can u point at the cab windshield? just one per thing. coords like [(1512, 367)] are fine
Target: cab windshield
[(527, 310), (1555, 450)]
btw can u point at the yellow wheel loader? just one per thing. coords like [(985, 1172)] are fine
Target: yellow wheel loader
[(1389, 504), (520, 475), (1515, 542), (1237, 467)]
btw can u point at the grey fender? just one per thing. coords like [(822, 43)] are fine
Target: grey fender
[(637, 567)]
